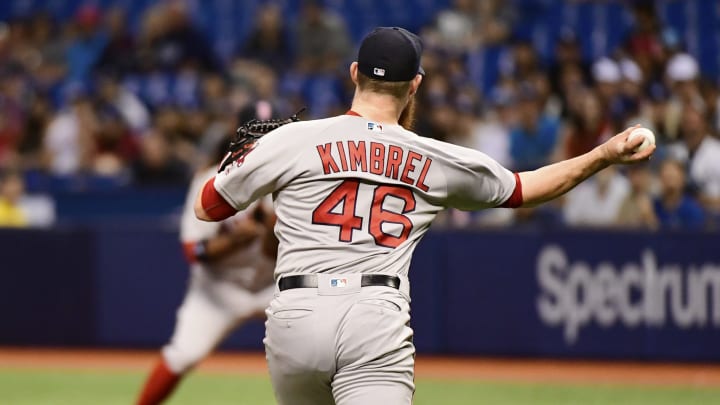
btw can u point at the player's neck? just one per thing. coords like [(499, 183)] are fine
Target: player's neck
[(377, 107)]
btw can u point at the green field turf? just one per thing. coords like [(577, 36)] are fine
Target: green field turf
[(26, 387)]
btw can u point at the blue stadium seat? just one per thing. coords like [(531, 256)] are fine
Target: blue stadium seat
[(600, 26)]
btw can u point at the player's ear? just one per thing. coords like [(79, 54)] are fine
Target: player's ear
[(354, 72), (415, 84)]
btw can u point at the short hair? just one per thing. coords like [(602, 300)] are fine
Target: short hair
[(398, 90)]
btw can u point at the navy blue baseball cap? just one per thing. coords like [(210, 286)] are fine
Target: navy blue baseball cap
[(390, 54)]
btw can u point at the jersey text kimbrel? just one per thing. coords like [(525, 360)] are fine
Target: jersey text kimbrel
[(386, 160)]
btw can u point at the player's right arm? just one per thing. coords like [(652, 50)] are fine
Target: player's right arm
[(241, 234), (552, 181), (476, 181), (210, 241)]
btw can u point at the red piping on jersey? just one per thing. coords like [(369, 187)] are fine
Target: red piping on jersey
[(516, 198), (351, 112), (214, 204)]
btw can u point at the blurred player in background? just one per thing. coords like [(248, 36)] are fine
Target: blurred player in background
[(231, 280)]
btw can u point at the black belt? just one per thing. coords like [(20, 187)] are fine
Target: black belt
[(310, 281)]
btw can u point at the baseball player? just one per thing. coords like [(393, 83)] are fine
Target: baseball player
[(231, 266), (354, 194)]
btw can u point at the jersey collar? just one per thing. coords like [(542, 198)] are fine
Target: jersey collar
[(351, 112)]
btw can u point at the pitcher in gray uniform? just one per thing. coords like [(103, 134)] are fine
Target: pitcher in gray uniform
[(354, 194)]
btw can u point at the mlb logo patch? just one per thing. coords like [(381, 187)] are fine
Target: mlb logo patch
[(338, 282), (379, 72), (374, 127)]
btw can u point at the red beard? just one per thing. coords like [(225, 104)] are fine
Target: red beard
[(407, 116)]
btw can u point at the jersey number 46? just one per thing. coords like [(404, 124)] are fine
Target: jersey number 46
[(348, 221)]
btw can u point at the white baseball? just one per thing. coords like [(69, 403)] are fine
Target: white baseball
[(644, 132)]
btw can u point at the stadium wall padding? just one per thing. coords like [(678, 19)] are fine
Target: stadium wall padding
[(575, 294)]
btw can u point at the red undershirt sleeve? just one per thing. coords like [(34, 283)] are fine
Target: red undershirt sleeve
[(214, 204), (189, 251), (516, 198)]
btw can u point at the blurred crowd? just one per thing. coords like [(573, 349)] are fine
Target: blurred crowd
[(90, 98)]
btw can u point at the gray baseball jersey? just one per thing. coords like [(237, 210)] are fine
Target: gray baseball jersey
[(354, 196)]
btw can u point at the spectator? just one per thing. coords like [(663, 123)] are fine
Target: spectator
[(437, 118), (644, 42), (68, 142), (322, 39), (14, 41), (455, 28), (571, 87), (12, 114), (468, 26), (596, 202), (220, 122), (128, 105), (153, 26), (156, 165), (214, 94), (494, 19), (113, 145), (492, 135), (88, 44), (674, 208), (171, 41), (568, 71), (683, 73), (656, 115), (682, 78), (50, 50), (701, 152), (626, 110), (179, 134), (268, 42), (637, 211), (607, 76), (465, 102), (118, 56), (711, 98), (523, 62), (18, 209), (535, 136), (11, 190), (587, 126), (30, 147)]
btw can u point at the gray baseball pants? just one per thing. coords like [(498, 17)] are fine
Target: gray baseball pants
[(341, 344)]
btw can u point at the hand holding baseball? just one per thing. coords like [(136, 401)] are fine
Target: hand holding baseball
[(633, 145), (645, 134)]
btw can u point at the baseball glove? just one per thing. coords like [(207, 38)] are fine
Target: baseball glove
[(248, 134)]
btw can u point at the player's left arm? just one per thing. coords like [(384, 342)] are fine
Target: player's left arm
[(552, 181), (211, 206), (257, 164)]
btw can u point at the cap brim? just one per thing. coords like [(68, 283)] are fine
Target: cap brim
[(421, 71)]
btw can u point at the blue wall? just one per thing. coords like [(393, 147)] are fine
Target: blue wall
[(564, 294)]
